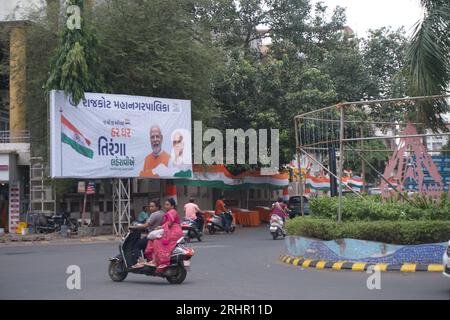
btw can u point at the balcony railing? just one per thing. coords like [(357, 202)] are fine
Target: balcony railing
[(20, 136)]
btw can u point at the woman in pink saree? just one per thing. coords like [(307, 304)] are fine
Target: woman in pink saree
[(161, 249)]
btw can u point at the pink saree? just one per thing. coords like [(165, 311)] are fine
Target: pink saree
[(162, 248)]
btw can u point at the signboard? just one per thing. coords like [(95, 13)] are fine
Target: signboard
[(4, 167), (91, 188), (120, 136), (81, 187), (14, 206)]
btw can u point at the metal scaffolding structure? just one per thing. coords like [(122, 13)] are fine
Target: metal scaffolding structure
[(41, 194), (121, 205), (335, 127)]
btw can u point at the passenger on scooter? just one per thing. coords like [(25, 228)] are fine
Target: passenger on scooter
[(155, 220), (158, 251), (280, 209), (193, 212), (221, 211)]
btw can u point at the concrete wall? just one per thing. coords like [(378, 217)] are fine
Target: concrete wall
[(364, 251), (22, 150)]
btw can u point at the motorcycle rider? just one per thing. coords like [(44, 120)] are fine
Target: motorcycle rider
[(143, 215), (221, 211), (155, 220), (193, 212)]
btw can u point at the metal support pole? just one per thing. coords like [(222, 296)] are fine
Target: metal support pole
[(300, 180), (121, 205), (341, 162), (363, 164)]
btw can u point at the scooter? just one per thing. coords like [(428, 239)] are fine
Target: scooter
[(121, 265), (217, 223), (276, 227), (191, 230)]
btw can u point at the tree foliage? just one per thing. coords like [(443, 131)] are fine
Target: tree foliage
[(207, 51), (427, 60), (75, 65)]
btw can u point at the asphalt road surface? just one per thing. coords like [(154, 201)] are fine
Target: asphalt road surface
[(243, 265)]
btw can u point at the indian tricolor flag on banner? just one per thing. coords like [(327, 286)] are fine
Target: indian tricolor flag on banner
[(74, 138)]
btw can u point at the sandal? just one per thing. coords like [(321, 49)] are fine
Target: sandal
[(138, 265), (161, 268), (150, 264)]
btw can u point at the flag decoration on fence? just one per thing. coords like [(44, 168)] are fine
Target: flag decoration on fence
[(323, 183), (217, 176), (74, 138)]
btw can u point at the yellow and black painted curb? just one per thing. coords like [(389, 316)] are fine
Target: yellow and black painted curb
[(359, 266)]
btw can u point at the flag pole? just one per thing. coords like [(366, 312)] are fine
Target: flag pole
[(60, 140)]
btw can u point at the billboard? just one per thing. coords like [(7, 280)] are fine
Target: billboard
[(119, 136)]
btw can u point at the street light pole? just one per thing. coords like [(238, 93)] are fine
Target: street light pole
[(341, 161)]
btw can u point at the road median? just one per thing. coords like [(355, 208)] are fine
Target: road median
[(359, 266)]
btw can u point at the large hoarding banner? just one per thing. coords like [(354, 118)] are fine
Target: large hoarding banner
[(120, 136)]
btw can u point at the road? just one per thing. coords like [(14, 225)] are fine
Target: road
[(243, 265)]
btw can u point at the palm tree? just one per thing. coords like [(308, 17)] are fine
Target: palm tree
[(428, 60)]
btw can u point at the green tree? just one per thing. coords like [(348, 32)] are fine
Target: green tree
[(268, 95), (427, 60), (75, 66), (158, 48), (383, 55)]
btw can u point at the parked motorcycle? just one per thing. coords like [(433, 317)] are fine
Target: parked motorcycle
[(277, 227), (191, 230), (46, 224), (121, 265), (217, 223)]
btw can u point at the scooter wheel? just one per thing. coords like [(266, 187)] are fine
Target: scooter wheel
[(116, 271), (211, 230), (232, 229), (179, 276)]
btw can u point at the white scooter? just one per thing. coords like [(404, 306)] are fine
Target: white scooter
[(277, 226)]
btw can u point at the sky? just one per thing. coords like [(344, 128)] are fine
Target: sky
[(363, 15)]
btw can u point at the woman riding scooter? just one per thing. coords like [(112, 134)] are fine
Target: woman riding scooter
[(280, 209), (158, 251), (155, 220)]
